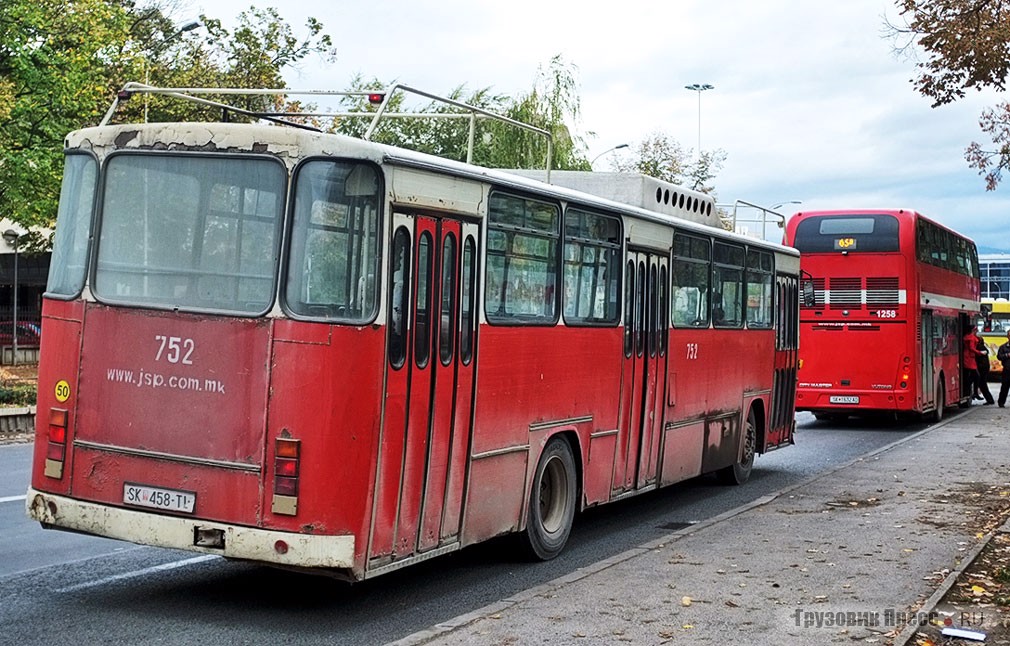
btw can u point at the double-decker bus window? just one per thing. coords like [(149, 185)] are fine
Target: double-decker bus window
[(847, 233), (727, 285), (467, 302), (691, 274), (73, 224), (592, 268), (190, 232), (399, 298), (447, 319), (422, 307), (522, 260), (759, 289), (942, 248), (334, 242)]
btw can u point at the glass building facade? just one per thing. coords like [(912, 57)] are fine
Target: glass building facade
[(994, 270)]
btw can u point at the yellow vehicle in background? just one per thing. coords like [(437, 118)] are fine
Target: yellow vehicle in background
[(993, 327)]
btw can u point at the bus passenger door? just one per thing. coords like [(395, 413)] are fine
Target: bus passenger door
[(931, 336), (429, 386), (643, 387)]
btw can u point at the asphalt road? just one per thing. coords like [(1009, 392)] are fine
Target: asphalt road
[(58, 587)]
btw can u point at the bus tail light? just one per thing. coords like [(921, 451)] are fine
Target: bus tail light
[(287, 456), (56, 450)]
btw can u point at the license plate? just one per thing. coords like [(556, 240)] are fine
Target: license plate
[(843, 399), (158, 498)]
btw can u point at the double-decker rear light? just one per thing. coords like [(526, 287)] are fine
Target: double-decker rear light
[(287, 456), (56, 449)]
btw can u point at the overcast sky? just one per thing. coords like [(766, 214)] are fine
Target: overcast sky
[(810, 102)]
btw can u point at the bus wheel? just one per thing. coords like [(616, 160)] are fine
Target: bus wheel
[(937, 414), (552, 502), (738, 473)]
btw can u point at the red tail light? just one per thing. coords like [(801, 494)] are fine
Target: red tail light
[(56, 451), (287, 456)]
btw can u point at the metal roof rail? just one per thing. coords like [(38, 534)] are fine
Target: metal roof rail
[(468, 111), (765, 213)]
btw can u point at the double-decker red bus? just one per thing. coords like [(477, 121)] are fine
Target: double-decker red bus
[(894, 294), (316, 351)]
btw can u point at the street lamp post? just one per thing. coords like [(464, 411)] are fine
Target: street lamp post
[(189, 26), (782, 223), (699, 88), (11, 237), (608, 150)]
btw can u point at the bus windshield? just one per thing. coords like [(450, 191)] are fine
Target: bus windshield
[(197, 232)]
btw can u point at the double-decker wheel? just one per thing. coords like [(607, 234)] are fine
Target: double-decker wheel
[(937, 415), (552, 501), (739, 472)]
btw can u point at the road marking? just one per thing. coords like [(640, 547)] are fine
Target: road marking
[(130, 575), (13, 498)]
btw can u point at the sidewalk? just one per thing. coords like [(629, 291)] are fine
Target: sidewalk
[(857, 555)]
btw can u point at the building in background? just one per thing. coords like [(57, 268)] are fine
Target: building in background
[(32, 271), (994, 272)]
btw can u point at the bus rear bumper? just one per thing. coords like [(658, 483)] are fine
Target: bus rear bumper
[(826, 401), (157, 530)]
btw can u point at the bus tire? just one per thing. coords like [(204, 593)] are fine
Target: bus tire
[(937, 415), (552, 502), (739, 472)]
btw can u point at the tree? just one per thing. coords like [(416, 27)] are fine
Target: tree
[(53, 60), (253, 55), (552, 104), (61, 61), (663, 157), (967, 44)]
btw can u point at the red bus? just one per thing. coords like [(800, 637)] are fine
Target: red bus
[(894, 292), (320, 352)]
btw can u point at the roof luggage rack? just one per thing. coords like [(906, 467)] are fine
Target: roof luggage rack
[(378, 98)]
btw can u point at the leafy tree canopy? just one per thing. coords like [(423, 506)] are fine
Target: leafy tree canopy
[(61, 61), (551, 105), (967, 45)]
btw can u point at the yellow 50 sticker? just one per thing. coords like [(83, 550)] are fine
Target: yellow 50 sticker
[(62, 390)]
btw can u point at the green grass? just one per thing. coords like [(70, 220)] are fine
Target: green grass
[(18, 394)]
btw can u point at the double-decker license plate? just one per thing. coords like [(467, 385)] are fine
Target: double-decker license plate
[(158, 498), (844, 399)]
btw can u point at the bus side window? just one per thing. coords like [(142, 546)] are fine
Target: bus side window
[(399, 298)]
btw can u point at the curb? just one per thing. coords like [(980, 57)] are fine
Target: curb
[(16, 421), (426, 635), (934, 600)]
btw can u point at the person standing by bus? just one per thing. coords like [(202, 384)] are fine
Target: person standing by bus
[(982, 359), (969, 362), (1003, 354)]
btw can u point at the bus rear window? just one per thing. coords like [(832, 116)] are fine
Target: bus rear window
[(193, 232), (848, 233)]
